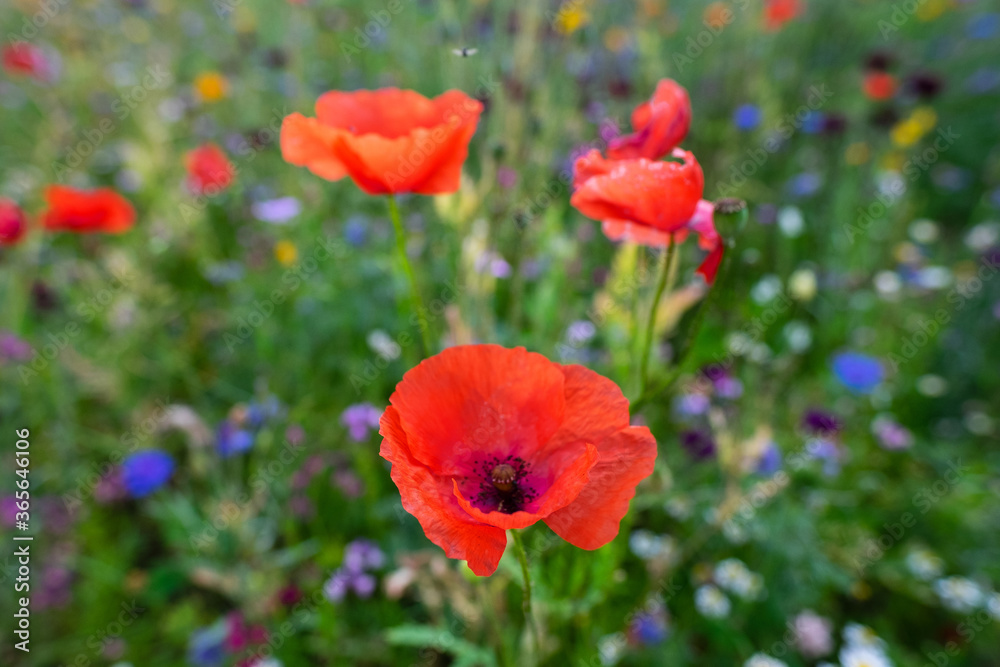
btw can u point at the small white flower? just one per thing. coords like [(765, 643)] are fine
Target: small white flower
[(888, 284), (861, 636), (790, 221), (734, 531), (802, 284), (959, 594), (647, 545), (767, 289), (863, 656), (711, 602), (924, 564), (610, 648), (679, 508), (993, 605), (380, 343), (734, 576), (798, 335), (923, 231), (763, 660), (983, 236)]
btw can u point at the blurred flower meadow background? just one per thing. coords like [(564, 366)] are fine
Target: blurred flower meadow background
[(203, 377)]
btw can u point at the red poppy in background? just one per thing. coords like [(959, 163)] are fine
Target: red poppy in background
[(879, 86), (209, 171), (13, 224), (26, 59), (84, 211), (658, 125), (650, 203), (779, 12), (387, 140), (483, 439), (638, 196)]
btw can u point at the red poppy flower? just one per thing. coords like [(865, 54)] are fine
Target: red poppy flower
[(26, 59), (658, 125), (637, 194), (209, 171), (779, 12), (84, 211), (879, 86), (387, 140), (483, 439), (13, 224)]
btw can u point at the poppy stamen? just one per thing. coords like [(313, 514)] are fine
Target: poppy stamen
[(503, 488), (503, 477)]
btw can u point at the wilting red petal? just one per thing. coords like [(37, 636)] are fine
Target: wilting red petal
[(209, 171), (660, 195), (592, 520), (703, 225), (432, 501), (658, 125), (512, 399), (84, 211), (710, 265), (387, 141), (13, 223)]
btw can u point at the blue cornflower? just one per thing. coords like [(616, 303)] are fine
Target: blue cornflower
[(206, 647), (858, 372), (747, 117), (146, 471), (231, 439)]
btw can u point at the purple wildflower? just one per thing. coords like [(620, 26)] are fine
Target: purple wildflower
[(360, 419), (698, 443), (231, 440), (820, 422), (13, 348)]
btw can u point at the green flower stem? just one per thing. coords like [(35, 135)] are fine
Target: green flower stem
[(529, 618), (667, 275), (416, 302), (730, 219)]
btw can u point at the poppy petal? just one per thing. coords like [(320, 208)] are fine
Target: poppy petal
[(592, 520), (387, 140), (662, 195), (514, 399), (595, 407), (84, 211), (659, 125), (305, 142), (623, 230), (432, 501)]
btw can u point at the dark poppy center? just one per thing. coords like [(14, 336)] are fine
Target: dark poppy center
[(502, 486)]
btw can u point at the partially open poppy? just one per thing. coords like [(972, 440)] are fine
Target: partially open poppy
[(658, 125), (209, 171), (643, 202), (12, 222), (387, 140), (483, 438), (84, 211)]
